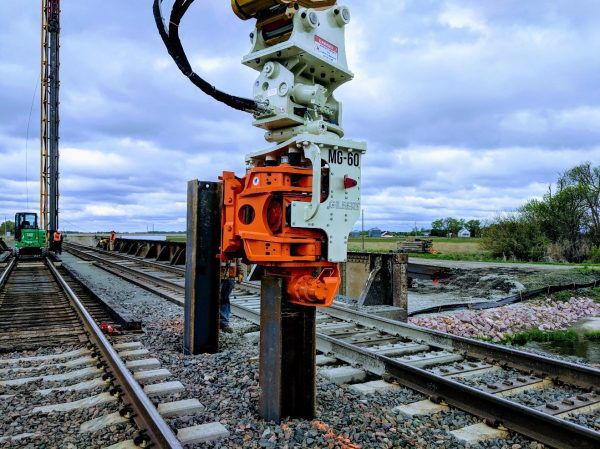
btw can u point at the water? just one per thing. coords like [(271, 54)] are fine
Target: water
[(144, 237), (582, 348)]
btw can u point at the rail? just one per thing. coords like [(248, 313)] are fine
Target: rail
[(570, 373), (532, 423), (145, 414), (7, 270)]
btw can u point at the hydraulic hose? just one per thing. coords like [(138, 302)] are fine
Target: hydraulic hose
[(171, 39)]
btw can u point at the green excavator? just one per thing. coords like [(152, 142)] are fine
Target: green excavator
[(30, 240)]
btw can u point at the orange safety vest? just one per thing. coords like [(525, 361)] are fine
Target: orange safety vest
[(229, 270), (57, 236)]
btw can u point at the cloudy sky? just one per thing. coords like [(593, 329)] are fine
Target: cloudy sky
[(469, 107)]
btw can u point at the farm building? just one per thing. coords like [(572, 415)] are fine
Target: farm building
[(375, 232), (464, 233)]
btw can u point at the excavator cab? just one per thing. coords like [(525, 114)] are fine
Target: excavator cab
[(25, 220), (30, 240)]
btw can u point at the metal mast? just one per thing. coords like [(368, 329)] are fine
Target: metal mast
[(49, 114)]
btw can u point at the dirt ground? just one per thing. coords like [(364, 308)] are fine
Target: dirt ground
[(490, 284)]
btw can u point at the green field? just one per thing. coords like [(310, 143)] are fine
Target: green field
[(443, 246), (459, 249), (384, 245), (177, 238)]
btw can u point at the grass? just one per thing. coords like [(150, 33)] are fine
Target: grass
[(566, 295), (521, 338), (594, 293), (588, 269), (444, 246), (176, 238), (447, 249), (593, 335), (457, 249), (469, 257)]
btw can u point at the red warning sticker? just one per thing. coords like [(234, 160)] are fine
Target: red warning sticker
[(326, 49)]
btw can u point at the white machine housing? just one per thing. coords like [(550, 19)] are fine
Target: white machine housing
[(298, 77)]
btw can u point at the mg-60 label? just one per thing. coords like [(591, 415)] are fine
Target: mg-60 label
[(340, 157)]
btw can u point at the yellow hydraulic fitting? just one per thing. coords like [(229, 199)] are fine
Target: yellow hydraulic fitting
[(250, 9)]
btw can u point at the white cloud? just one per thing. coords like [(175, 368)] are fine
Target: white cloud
[(468, 107), (84, 160), (582, 118), (215, 64), (459, 17), (457, 182)]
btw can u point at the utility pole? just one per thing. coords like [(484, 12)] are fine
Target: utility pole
[(50, 120), (363, 229)]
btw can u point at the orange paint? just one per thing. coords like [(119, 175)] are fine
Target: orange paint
[(330, 434), (256, 227)]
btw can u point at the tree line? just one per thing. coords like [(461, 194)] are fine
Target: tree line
[(7, 226), (564, 225), (450, 226)]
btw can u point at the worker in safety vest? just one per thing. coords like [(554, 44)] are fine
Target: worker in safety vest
[(111, 241), (57, 241), (230, 272)]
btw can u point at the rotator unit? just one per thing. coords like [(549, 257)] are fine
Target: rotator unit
[(294, 208)]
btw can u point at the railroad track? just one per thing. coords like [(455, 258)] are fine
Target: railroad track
[(43, 309), (35, 310), (486, 380)]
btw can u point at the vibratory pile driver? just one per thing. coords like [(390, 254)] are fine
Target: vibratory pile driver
[(294, 208)]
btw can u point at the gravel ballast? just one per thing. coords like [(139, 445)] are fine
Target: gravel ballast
[(227, 384), (51, 430), (498, 323)]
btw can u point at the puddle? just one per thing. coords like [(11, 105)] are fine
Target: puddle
[(584, 349)]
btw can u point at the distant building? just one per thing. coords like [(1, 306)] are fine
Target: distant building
[(387, 234), (464, 234), (355, 234), (375, 232)]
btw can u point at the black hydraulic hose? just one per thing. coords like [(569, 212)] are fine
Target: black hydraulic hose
[(170, 37)]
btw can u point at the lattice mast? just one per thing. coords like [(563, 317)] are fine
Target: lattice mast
[(49, 132)]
